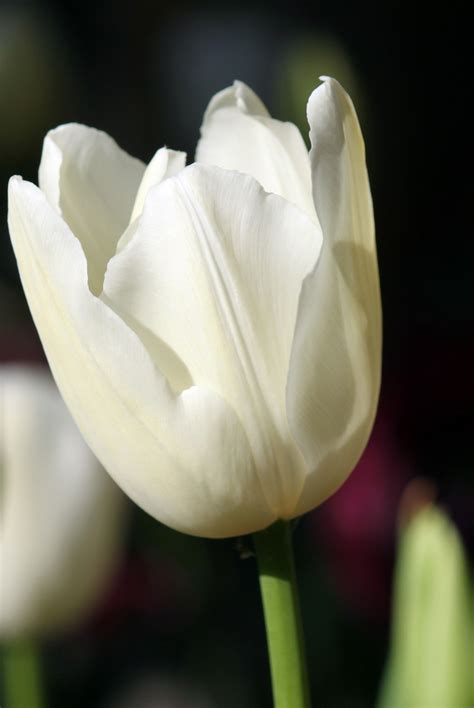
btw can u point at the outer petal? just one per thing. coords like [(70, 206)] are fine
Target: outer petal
[(186, 459), (238, 134), (93, 184), (215, 270), (61, 514), (334, 376)]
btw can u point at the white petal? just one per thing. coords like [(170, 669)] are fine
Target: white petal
[(61, 514), (165, 163), (93, 184), (240, 96), (215, 270), (238, 134), (334, 374), (186, 459)]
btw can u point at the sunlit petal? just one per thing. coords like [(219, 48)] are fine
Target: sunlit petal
[(215, 270), (334, 374), (185, 459), (238, 134)]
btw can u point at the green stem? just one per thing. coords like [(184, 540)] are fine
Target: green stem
[(282, 617), (22, 676)]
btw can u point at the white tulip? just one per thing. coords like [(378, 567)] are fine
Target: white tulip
[(60, 513), (214, 329)]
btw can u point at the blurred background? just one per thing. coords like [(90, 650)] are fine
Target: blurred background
[(180, 625)]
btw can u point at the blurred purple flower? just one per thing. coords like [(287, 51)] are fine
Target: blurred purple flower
[(357, 525)]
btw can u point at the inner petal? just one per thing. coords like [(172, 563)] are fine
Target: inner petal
[(165, 163), (238, 134)]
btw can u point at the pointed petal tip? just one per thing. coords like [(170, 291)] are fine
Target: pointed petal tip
[(240, 86), (327, 83), (14, 181), (175, 153), (17, 185), (13, 186)]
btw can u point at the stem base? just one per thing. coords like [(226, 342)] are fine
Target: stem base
[(282, 616)]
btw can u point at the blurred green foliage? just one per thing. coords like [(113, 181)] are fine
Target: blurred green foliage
[(432, 647)]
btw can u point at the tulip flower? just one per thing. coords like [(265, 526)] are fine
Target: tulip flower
[(61, 515), (214, 329), (430, 662)]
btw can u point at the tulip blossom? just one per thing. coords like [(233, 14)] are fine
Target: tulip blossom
[(214, 329), (60, 513)]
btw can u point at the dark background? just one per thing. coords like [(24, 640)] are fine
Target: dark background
[(181, 623)]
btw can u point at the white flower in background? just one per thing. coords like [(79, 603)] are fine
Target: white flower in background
[(61, 516), (214, 329)]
